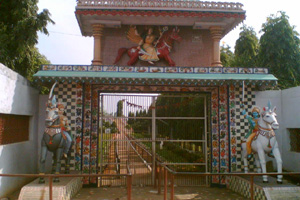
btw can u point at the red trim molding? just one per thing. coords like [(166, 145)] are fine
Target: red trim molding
[(161, 13)]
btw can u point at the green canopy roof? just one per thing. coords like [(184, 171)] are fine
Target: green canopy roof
[(153, 75)]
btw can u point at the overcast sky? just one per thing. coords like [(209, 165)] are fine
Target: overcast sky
[(65, 45)]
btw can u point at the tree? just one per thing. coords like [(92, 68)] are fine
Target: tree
[(246, 48), (130, 120), (279, 50), (19, 24), (120, 108), (227, 57)]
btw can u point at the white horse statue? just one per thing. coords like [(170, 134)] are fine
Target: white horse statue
[(265, 142)]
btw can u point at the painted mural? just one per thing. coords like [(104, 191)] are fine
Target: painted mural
[(151, 47)]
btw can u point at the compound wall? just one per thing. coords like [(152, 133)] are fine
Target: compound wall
[(17, 97)]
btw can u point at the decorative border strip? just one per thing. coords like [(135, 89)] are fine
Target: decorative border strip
[(151, 69), (215, 135), (223, 133), (164, 13), (162, 4), (79, 116), (232, 129), (94, 134), (86, 147)]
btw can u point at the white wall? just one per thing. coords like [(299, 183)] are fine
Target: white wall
[(19, 98), (288, 115)]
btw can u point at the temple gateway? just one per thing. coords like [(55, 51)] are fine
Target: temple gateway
[(156, 92)]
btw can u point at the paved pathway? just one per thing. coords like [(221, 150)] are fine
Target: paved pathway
[(141, 173)]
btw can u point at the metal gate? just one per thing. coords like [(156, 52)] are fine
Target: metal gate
[(138, 129)]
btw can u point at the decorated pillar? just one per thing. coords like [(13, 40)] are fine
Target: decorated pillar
[(216, 33), (97, 33)]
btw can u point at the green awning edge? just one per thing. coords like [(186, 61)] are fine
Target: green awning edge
[(130, 75)]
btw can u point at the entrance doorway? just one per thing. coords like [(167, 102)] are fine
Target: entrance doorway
[(139, 129)]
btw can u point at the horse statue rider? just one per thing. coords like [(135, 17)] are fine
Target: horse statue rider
[(253, 122), (151, 47), (56, 137), (261, 140)]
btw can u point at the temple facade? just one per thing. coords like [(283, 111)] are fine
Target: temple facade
[(158, 47)]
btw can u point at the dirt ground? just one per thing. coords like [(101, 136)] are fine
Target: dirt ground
[(149, 193)]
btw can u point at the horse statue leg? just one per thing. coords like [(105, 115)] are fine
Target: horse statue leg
[(244, 156), (68, 159), (257, 163), (262, 160), (169, 60), (57, 161), (58, 156), (43, 157), (121, 51), (279, 162), (133, 53), (54, 163)]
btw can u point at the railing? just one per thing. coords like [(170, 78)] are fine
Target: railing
[(194, 4), (51, 176), (166, 170)]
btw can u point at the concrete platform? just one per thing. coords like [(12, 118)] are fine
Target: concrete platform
[(264, 191), (66, 189)]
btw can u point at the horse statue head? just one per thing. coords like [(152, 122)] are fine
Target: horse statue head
[(168, 36), (269, 116), (51, 108)]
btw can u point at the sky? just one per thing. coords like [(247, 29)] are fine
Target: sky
[(65, 45)]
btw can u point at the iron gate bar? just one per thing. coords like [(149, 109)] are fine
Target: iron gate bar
[(127, 138), (153, 137), (205, 135)]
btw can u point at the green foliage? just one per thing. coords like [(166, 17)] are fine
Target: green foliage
[(227, 56), (19, 24), (120, 108), (246, 48), (279, 50), (130, 120), (180, 107), (140, 125), (114, 128)]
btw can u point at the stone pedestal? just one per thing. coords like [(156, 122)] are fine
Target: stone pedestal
[(264, 191), (64, 190)]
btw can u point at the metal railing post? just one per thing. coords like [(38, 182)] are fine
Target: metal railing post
[(165, 184), (50, 188), (159, 180), (252, 187), (155, 177), (172, 187), (129, 187)]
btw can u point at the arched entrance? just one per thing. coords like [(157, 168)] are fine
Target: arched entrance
[(82, 85), (91, 128), (140, 129)]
